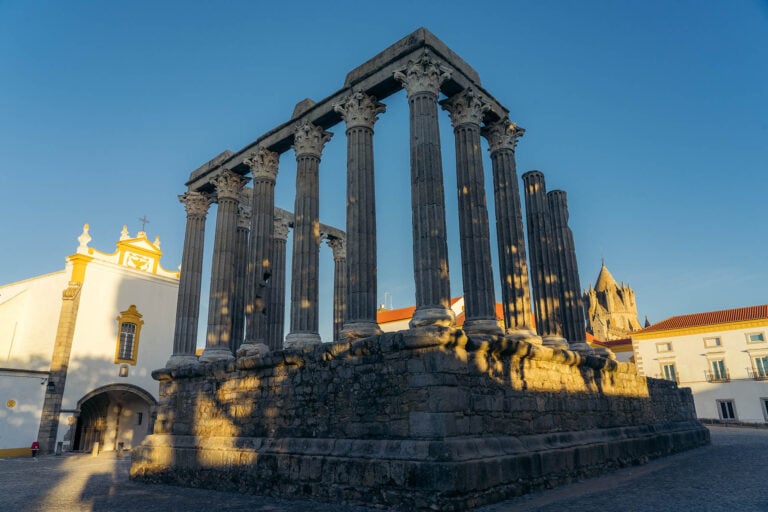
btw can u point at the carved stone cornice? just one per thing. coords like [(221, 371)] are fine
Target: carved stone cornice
[(502, 134), (466, 107), (229, 184), (423, 75), (281, 228), (310, 139), (195, 203), (339, 248), (360, 109), (263, 164)]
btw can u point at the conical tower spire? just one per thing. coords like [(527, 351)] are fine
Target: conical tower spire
[(605, 280)]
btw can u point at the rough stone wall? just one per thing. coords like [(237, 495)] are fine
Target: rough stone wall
[(409, 419)]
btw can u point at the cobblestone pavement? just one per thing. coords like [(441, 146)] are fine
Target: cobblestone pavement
[(730, 475)]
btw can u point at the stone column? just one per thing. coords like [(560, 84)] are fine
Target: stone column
[(546, 288), (188, 301), (421, 79), (360, 113), (340, 286), (241, 263), (466, 110), (276, 298), (568, 271), (217, 344), (308, 144), (502, 138), (263, 165)]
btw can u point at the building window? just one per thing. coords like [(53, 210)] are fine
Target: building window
[(664, 347), (764, 402), (712, 342), (669, 372), (760, 367), (128, 330), (726, 410), (755, 337), (718, 372), (139, 417)]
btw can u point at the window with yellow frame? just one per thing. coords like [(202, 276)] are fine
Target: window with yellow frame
[(128, 330)]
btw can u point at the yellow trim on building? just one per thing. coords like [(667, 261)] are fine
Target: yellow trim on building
[(79, 264), (15, 452), (130, 315), (702, 329)]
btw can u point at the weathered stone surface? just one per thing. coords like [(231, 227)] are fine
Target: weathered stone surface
[(407, 420)]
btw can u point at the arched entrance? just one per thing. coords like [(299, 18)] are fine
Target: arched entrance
[(117, 413)]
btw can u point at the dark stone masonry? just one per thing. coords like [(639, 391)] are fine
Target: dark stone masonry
[(413, 420)]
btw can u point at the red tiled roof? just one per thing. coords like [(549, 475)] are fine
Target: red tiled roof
[(609, 343), (710, 318), (384, 316)]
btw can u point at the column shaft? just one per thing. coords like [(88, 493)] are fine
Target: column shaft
[(546, 288), (190, 280), (360, 113), (263, 165), (308, 144), (241, 263), (466, 109), (568, 270), (222, 289), (276, 298), (513, 266), (340, 285)]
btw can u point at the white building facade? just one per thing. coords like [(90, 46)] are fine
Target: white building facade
[(77, 348), (721, 355)]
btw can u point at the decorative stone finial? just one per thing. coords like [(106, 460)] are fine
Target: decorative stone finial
[(310, 139), (196, 203), (466, 107), (124, 235), (338, 246), (423, 75), (84, 238), (502, 134), (228, 184), (360, 109), (263, 164), (157, 242)]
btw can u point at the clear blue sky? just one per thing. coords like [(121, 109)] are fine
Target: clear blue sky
[(653, 116)]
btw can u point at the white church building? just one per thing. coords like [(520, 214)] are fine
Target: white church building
[(77, 348)]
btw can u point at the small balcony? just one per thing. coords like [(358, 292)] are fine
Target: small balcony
[(718, 376), (757, 374)]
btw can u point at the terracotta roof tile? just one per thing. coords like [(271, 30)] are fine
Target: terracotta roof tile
[(710, 318)]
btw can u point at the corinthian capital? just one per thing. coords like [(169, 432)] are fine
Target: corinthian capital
[(196, 203), (263, 164), (228, 184), (423, 75), (339, 248), (360, 109), (502, 134), (466, 107), (310, 139), (281, 228)]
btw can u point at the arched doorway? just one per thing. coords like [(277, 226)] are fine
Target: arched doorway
[(117, 413)]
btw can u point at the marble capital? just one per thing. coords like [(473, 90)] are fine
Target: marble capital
[(281, 229), (425, 74), (263, 164), (310, 139), (360, 109), (502, 134), (466, 107), (229, 184), (195, 203), (339, 248), (244, 213)]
